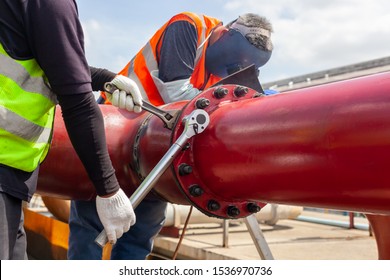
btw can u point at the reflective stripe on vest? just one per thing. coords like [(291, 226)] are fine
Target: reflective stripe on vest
[(140, 67), (26, 113)]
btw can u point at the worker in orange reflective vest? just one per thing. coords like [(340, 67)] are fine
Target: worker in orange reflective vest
[(188, 54)]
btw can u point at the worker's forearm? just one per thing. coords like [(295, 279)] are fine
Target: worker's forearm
[(85, 126), (99, 77)]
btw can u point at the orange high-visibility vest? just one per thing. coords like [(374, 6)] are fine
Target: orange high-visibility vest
[(145, 61)]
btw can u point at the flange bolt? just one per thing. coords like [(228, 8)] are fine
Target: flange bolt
[(213, 205), (233, 211), (196, 191), (240, 91), (253, 207), (185, 169), (220, 92), (202, 103)]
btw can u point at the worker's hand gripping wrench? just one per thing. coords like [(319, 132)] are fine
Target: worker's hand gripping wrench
[(168, 117), (194, 123)]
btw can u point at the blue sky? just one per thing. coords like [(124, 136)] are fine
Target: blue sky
[(308, 35)]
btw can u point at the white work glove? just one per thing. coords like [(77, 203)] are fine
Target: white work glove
[(128, 95), (116, 214)]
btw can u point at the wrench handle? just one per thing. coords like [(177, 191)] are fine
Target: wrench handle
[(147, 185), (198, 119)]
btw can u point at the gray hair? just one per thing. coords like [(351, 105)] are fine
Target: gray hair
[(260, 41)]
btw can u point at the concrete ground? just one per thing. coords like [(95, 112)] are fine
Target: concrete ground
[(325, 237), (287, 240)]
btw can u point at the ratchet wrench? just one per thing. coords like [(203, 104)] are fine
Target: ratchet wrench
[(194, 123), (168, 117)]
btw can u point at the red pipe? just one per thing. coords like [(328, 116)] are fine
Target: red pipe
[(62, 174), (326, 146)]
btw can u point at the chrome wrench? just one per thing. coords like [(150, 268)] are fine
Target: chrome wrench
[(168, 117), (194, 123)]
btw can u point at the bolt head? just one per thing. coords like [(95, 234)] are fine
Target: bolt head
[(233, 211), (196, 191), (213, 205), (253, 207)]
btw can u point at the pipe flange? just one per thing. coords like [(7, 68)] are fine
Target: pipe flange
[(185, 168)]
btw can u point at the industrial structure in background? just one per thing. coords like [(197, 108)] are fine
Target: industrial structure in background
[(331, 75), (322, 146)]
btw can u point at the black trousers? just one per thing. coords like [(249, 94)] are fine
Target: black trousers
[(13, 243)]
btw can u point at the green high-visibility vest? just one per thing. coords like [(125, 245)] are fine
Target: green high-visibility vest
[(27, 107)]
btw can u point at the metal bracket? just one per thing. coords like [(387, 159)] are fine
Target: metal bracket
[(258, 238)]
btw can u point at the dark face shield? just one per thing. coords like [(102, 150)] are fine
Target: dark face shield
[(232, 52)]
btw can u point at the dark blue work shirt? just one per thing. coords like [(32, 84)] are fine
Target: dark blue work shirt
[(50, 32), (178, 52)]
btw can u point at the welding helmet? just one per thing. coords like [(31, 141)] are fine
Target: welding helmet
[(232, 52)]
